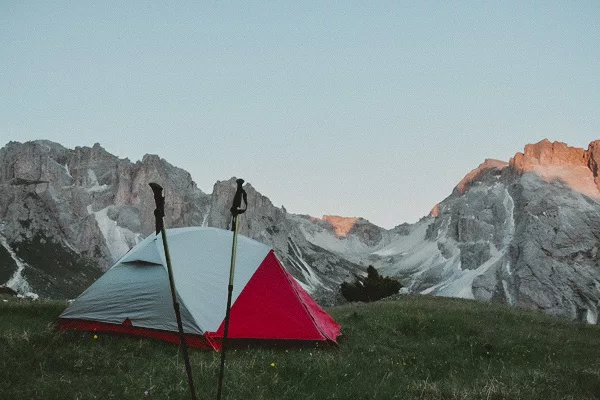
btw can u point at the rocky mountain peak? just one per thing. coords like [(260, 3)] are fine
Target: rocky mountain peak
[(343, 230), (341, 225), (547, 154), (486, 166), (575, 167), (593, 159)]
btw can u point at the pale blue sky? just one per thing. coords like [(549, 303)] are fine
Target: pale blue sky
[(372, 109)]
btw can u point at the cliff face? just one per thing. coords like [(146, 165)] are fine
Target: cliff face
[(85, 193), (488, 166), (95, 207), (545, 153), (575, 167), (526, 234)]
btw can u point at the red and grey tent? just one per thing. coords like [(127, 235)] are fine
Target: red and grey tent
[(133, 297)]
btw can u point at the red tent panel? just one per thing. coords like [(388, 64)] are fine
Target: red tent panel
[(274, 306), (324, 322)]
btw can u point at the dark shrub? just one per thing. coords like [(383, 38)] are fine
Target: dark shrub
[(371, 288)]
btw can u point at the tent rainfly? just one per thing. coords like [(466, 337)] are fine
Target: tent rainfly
[(268, 305)]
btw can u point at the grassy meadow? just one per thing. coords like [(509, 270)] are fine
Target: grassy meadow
[(416, 347)]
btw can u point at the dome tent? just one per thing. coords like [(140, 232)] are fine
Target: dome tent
[(133, 297)]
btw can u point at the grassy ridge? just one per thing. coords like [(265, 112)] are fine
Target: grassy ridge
[(418, 347)]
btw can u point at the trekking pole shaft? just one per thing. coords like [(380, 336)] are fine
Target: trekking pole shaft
[(186, 358), (228, 309), (159, 214), (233, 252)]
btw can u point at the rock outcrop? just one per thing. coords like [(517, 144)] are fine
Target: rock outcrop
[(574, 167), (488, 166)]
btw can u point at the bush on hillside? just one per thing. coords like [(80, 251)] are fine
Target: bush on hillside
[(371, 288)]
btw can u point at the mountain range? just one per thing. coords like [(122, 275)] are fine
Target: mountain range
[(524, 232)]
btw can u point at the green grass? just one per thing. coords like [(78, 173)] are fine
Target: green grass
[(418, 347)]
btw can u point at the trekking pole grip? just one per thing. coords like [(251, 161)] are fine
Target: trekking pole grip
[(240, 193), (159, 200)]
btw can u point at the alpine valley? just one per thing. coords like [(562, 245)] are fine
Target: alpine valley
[(524, 232)]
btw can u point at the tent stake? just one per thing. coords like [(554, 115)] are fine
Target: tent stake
[(159, 214), (235, 211)]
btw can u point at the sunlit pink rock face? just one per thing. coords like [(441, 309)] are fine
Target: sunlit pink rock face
[(594, 159), (574, 166), (341, 225), (471, 176)]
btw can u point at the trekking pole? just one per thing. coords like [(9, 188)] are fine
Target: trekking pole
[(235, 211), (159, 214)]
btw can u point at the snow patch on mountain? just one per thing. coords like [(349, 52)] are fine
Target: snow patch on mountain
[(592, 316), (417, 260), (205, 219), (507, 293), (405, 244), (118, 239), (312, 282), (17, 282), (93, 182), (66, 168), (509, 205), (460, 282)]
